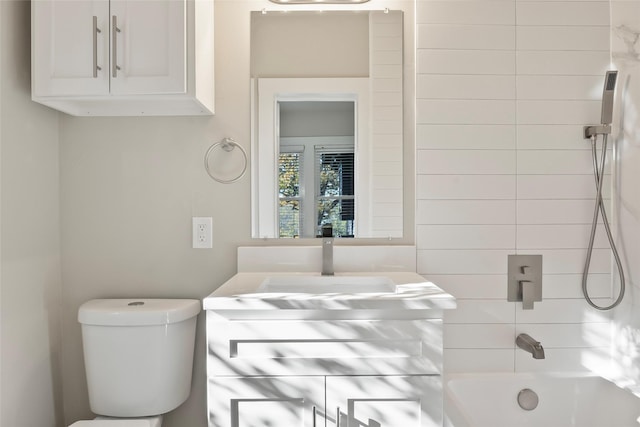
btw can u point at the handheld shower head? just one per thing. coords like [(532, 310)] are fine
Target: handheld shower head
[(607, 97), (592, 132), (606, 115)]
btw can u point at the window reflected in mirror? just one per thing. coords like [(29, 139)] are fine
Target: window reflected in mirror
[(316, 158)]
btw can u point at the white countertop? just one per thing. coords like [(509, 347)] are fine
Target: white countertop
[(413, 292)]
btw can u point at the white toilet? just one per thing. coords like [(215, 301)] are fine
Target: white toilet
[(138, 356)]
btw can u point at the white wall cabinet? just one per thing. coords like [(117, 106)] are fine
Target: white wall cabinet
[(123, 57)]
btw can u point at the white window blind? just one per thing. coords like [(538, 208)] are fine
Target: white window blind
[(335, 184)]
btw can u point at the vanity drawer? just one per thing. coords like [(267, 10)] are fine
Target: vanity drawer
[(353, 347)]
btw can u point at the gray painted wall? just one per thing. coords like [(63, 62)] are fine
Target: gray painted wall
[(31, 290)]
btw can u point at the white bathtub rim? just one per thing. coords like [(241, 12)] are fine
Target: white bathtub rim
[(621, 382), (455, 415)]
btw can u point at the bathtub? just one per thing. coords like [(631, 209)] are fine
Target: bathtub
[(564, 400)]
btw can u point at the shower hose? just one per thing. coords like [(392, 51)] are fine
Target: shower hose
[(598, 172)]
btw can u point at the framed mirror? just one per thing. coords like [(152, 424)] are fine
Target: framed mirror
[(327, 123)]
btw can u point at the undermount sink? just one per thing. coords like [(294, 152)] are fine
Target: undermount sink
[(328, 284)]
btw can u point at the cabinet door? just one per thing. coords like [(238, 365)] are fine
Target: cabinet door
[(386, 401), (266, 401), (148, 47), (70, 47)]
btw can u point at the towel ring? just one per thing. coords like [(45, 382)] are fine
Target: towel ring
[(228, 145)]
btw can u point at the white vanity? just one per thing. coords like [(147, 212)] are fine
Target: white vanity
[(351, 350)]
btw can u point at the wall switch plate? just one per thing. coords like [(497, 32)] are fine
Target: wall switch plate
[(202, 232)]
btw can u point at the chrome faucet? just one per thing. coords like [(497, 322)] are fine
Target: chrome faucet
[(327, 250), (530, 345)]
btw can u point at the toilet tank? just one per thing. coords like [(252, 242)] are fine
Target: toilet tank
[(138, 354)]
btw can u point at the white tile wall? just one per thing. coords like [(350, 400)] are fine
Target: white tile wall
[(461, 62), (462, 137), (470, 12), (563, 359), (565, 187), (504, 88), (386, 48), (555, 211), (478, 360), (455, 36), (569, 335), (571, 261), (563, 236), (553, 112), (476, 336), (485, 312), (555, 162), (466, 212), (551, 137), (309, 258), (488, 261), (559, 311), (466, 162), (461, 187), (466, 236), (563, 37), (570, 285), (469, 286), (465, 111), (563, 13), (562, 62), (449, 86), (559, 87)]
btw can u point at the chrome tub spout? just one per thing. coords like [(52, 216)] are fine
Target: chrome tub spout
[(530, 345)]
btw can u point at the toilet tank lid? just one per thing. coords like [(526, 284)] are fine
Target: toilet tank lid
[(137, 312)]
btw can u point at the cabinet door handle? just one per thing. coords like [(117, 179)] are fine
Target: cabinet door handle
[(338, 417), (114, 46), (96, 31), (313, 411)]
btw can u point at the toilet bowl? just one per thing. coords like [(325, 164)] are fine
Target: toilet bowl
[(120, 422), (138, 356)]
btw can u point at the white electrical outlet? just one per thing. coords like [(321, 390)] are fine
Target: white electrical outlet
[(202, 232)]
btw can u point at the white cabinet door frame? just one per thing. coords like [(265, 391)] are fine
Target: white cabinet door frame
[(148, 49), (384, 401), (266, 401), (70, 47)]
